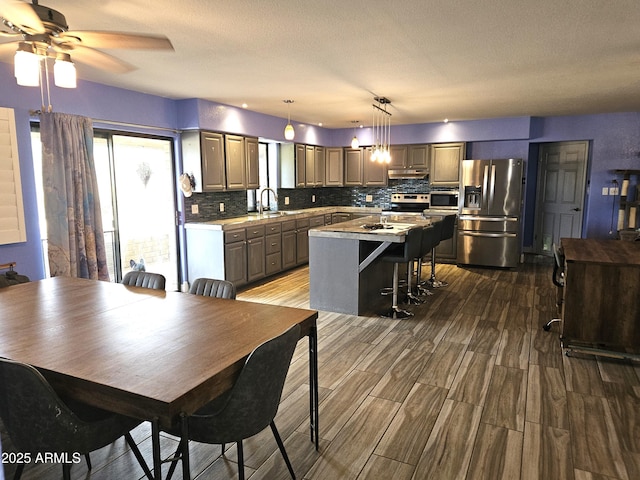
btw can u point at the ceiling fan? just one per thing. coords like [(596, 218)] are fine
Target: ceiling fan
[(45, 31)]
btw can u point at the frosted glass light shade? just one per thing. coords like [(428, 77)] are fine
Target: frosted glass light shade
[(355, 143), (64, 72), (289, 133), (26, 66)]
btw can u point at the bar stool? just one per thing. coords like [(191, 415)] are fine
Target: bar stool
[(402, 253), (430, 238), (448, 225)]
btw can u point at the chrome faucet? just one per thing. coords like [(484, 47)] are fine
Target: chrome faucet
[(275, 197)]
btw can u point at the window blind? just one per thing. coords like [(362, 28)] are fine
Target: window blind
[(12, 226)]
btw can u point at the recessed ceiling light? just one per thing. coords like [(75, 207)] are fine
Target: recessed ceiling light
[(244, 105), (319, 124), (446, 120)]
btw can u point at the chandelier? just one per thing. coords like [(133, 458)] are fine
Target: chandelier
[(381, 131)]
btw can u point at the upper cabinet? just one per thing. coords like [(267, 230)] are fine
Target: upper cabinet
[(235, 162), (301, 165), (374, 173), (220, 162), (409, 156), (398, 156), (445, 163), (353, 167), (319, 159), (251, 152), (203, 157), (334, 167)]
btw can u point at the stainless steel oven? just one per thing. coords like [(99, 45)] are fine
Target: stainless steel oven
[(444, 199)]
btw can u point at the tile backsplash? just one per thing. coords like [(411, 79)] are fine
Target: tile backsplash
[(235, 202)]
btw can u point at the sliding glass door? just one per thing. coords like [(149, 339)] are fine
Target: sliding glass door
[(135, 181)]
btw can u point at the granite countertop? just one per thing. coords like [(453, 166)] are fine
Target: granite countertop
[(268, 217), (394, 230)]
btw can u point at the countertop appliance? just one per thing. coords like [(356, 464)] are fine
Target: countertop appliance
[(489, 220), (444, 200)]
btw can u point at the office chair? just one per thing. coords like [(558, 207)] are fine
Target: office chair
[(210, 287), (251, 404), (557, 277), (154, 281), (39, 422)]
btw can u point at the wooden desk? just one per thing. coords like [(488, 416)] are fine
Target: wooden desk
[(149, 354), (601, 295)]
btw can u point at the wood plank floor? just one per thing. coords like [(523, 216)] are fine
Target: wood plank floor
[(471, 387)]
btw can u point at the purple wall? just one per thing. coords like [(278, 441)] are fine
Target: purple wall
[(614, 138)]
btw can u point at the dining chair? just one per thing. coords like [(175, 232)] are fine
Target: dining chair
[(39, 422), (154, 281), (250, 405), (210, 287), (557, 277)]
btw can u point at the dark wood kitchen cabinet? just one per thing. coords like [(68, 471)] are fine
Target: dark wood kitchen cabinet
[(334, 167), (251, 152), (302, 241), (319, 159), (445, 164), (374, 173), (203, 157), (418, 156), (353, 167), (236, 162), (235, 257), (255, 253), (289, 241), (273, 248)]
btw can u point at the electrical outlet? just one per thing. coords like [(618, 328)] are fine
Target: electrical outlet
[(221, 207), (613, 190), (369, 198), (313, 199), (605, 190), (286, 200), (195, 209)]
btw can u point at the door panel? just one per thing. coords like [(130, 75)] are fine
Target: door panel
[(561, 192)]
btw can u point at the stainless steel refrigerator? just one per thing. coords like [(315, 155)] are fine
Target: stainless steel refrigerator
[(490, 207)]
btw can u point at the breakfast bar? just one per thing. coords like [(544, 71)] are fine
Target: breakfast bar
[(345, 273)]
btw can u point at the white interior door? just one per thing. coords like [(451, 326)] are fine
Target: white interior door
[(560, 194)]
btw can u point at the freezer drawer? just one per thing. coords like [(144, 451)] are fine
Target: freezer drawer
[(488, 249)]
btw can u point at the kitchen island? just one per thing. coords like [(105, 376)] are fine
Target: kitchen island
[(345, 270)]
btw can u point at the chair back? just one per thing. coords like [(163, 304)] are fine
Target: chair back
[(448, 225), (154, 281), (36, 419), (558, 266), (430, 238), (210, 287), (253, 401)]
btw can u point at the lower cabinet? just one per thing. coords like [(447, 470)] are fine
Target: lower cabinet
[(289, 244), (235, 257), (302, 241), (255, 253), (273, 249)]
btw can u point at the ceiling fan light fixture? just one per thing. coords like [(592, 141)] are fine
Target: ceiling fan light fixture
[(64, 71), (289, 132), (26, 65)]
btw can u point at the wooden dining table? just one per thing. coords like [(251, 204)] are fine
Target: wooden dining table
[(149, 354)]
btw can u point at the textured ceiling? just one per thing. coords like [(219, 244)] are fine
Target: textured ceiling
[(433, 59)]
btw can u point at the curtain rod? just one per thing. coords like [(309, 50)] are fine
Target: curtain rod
[(36, 113)]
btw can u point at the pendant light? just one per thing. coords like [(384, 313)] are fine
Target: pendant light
[(289, 133), (355, 143), (380, 151)]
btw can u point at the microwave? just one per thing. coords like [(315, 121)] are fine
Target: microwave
[(444, 199)]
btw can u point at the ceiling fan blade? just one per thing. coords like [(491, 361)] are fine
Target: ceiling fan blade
[(97, 59), (97, 39), (22, 16)]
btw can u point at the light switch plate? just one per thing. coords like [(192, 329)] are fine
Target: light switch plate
[(605, 190), (369, 198), (286, 200), (221, 207), (195, 209)]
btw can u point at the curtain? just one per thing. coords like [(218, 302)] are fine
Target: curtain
[(72, 205)]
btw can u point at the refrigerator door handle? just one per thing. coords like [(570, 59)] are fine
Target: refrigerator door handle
[(468, 233), (488, 219), (492, 187), (485, 185)]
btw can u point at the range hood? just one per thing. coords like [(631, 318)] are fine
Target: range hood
[(399, 173)]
